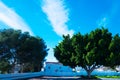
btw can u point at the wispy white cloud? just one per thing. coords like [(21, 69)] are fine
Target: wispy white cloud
[(103, 22), (108, 17), (58, 16), (12, 19)]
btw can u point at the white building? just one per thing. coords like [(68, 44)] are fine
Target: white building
[(56, 67)]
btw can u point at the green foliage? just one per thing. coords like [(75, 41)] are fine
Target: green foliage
[(113, 77), (89, 51), (21, 48), (4, 66), (115, 51)]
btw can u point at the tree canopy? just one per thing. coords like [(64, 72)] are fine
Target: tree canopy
[(21, 48), (89, 51)]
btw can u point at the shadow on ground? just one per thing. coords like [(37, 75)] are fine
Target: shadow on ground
[(65, 78)]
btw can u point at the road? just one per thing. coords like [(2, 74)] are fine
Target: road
[(56, 78), (69, 78)]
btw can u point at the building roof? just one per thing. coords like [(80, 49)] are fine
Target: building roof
[(54, 63)]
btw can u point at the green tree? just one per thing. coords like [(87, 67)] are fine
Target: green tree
[(89, 51), (5, 53), (115, 52), (33, 51), (22, 48), (4, 66)]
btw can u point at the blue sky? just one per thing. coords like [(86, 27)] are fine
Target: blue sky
[(50, 19)]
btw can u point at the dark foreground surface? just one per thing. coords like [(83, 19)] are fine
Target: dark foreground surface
[(56, 78), (68, 78)]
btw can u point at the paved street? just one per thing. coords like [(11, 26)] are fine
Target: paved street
[(69, 78), (56, 78)]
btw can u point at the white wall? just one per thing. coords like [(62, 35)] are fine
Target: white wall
[(56, 67)]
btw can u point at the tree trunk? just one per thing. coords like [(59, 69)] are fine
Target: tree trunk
[(89, 73), (89, 70), (21, 68)]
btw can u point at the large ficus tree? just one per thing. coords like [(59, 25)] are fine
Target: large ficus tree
[(21, 48), (89, 51)]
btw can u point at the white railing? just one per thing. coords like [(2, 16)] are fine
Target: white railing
[(54, 74), (20, 76)]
